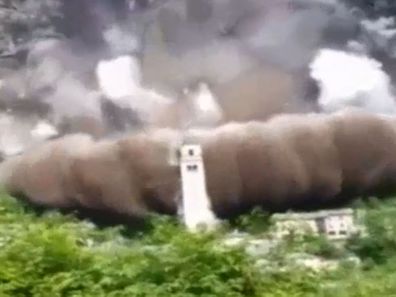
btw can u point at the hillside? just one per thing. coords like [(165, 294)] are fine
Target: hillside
[(50, 254)]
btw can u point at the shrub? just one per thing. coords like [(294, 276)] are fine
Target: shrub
[(50, 254)]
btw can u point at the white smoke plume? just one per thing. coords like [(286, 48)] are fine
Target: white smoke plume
[(347, 79)]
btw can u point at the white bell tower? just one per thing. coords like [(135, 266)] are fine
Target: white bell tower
[(197, 211)]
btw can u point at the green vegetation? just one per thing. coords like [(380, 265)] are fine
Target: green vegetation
[(57, 255)]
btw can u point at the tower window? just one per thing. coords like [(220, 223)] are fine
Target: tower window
[(192, 167), (191, 152)]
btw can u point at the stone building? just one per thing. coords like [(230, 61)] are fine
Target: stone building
[(334, 224)]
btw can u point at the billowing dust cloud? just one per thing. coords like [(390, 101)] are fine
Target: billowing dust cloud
[(107, 68), (118, 86), (288, 162)]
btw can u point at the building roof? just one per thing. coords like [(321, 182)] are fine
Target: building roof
[(312, 215)]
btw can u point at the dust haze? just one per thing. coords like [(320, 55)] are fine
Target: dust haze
[(107, 68), (114, 87)]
